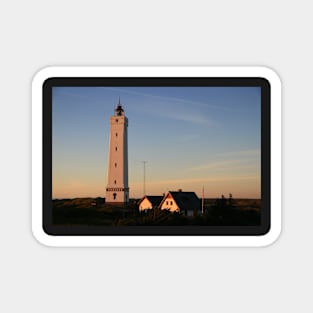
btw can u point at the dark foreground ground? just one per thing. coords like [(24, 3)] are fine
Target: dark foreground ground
[(93, 211)]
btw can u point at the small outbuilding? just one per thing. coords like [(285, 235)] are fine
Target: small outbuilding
[(149, 202), (186, 203)]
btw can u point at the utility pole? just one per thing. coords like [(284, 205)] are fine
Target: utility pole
[(144, 177), (202, 199)]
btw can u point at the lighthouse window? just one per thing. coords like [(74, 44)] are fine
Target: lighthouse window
[(116, 134), (115, 182), (115, 148), (115, 164), (116, 120), (114, 195)]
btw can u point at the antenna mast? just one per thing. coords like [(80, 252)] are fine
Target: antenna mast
[(144, 177), (202, 199)]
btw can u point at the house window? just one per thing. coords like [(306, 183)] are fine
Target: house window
[(166, 202), (171, 202)]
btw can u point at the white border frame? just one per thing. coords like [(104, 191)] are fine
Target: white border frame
[(156, 241)]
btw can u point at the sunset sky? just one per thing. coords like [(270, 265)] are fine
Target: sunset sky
[(189, 136)]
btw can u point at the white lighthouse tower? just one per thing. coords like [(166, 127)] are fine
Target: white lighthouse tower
[(117, 190)]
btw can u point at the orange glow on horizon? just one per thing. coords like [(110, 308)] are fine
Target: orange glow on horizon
[(239, 186)]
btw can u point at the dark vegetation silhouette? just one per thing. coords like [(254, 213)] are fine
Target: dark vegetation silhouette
[(217, 212), (233, 212)]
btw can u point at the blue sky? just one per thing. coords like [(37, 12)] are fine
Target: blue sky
[(189, 136)]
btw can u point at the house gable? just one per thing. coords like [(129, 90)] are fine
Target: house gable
[(149, 202), (145, 204), (168, 203), (186, 203)]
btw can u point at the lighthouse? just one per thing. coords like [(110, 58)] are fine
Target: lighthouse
[(117, 191)]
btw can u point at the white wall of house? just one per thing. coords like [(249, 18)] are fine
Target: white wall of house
[(145, 205), (169, 204)]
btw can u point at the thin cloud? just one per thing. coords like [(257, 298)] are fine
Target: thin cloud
[(166, 98), (72, 94), (187, 117), (207, 179), (171, 107), (215, 165), (245, 153), (188, 137)]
